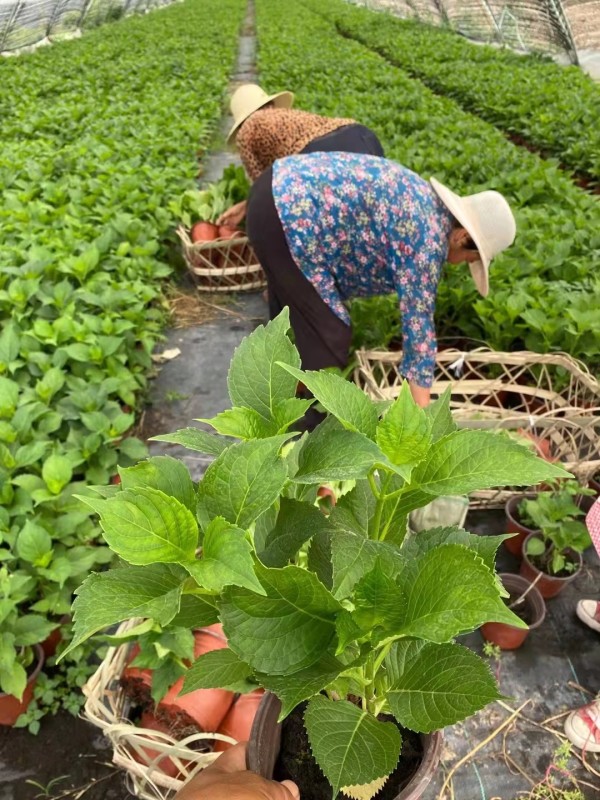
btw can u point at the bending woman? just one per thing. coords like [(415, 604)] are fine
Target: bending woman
[(327, 227), (266, 128)]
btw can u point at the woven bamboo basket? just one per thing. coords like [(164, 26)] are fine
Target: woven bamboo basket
[(550, 397), (107, 707), (225, 265)]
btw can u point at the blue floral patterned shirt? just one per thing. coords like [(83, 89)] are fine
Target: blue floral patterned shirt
[(359, 226)]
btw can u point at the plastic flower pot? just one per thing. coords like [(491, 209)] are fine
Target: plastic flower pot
[(10, 707), (507, 637), (265, 741), (164, 764), (240, 718), (549, 585), (514, 545), (205, 707)]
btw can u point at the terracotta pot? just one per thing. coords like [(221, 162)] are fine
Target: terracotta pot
[(204, 232), (165, 765), (595, 484), (548, 585), (50, 644), (514, 545), (239, 719), (508, 637), (206, 707), (11, 708), (265, 739)]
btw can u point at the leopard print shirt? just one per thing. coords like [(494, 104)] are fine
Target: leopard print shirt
[(272, 133)]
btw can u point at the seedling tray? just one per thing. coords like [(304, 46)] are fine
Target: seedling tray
[(551, 398), (224, 265), (139, 751)]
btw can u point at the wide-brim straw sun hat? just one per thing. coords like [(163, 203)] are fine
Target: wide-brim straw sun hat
[(488, 220), (248, 98)]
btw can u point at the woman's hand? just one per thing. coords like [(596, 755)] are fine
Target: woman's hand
[(229, 779), (233, 216), (421, 395)]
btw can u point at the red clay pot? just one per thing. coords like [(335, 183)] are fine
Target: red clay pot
[(508, 637), (548, 585), (165, 765), (50, 644), (206, 707), (204, 232), (265, 739), (239, 720), (11, 708), (514, 545)]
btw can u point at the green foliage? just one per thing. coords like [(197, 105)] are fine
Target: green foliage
[(208, 204), (366, 614), (92, 155), (558, 519), (544, 290)]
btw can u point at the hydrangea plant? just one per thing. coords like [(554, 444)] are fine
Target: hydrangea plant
[(345, 611)]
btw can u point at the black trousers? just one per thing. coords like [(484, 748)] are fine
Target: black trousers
[(322, 339)]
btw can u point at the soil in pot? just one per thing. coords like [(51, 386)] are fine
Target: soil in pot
[(548, 585), (531, 610), (296, 762), (10, 707)]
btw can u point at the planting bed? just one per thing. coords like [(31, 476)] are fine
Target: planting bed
[(545, 289)]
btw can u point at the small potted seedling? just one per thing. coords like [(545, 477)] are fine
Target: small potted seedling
[(552, 554)]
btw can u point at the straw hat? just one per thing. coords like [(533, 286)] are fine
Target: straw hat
[(489, 222), (248, 98)]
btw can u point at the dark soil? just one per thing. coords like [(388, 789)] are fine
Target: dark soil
[(523, 610), (296, 762), (69, 751)]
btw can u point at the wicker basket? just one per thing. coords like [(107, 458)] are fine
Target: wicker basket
[(550, 396), (107, 707), (225, 265)]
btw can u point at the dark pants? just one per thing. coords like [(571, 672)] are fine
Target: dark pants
[(322, 339)]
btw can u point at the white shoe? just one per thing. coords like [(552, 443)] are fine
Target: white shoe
[(582, 727), (588, 611)]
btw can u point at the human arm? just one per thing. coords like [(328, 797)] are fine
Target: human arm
[(229, 779), (417, 289), (233, 217)]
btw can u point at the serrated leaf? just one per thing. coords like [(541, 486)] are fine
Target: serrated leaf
[(365, 791), (103, 599), (440, 416), (354, 511), (332, 455), (31, 629), (353, 556), (31, 453), (294, 689), (195, 611), (350, 745), (450, 591), (145, 526), (243, 482), (14, 680), (403, 435), (484, 546), (226, 559), (168, 475), (349, 404), (297, 522), (438, 685), (195, 439), (378, 600), (285, 631), (219, 669), (255, 378), (469, 460), (243, 423)]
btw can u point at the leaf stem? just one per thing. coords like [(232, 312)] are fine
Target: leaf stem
[(373, 485)]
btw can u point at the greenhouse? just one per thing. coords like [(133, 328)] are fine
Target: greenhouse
[(300, 400)]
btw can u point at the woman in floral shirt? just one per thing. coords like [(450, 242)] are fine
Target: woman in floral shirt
[(328, 227)]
